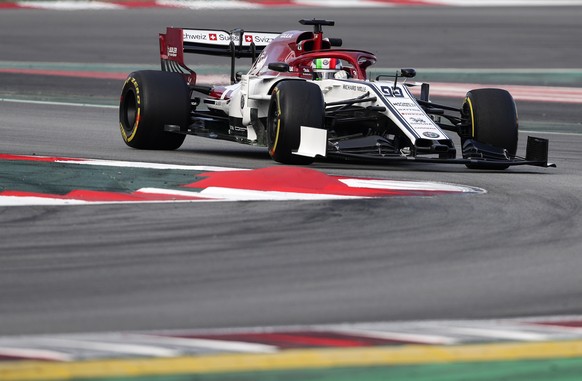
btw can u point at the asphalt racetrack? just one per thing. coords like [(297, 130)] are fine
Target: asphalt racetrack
[(514, 251)]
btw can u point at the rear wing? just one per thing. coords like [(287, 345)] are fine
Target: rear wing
[(234, 44)]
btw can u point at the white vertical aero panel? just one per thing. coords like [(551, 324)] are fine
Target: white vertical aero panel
[(313, 142), (245, 108), (251, 133)]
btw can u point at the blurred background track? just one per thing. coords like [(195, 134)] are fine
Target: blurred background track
[(511, 252)]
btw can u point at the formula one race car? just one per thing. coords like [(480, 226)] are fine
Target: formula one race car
[(304, 97)]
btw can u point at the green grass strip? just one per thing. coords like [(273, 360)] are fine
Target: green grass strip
[(540, 370)]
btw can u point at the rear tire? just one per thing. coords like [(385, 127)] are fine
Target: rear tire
[(149, 101), (493, 119), (293, 104)]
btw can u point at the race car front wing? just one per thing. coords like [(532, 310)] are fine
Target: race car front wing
[(474, 154)]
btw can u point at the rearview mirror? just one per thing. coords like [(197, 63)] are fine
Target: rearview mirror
[(281, 67), (408, 73)]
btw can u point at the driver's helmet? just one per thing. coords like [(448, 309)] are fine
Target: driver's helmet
[(326, 68)]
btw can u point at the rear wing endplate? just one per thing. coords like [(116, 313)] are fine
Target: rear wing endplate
[(235, 44)]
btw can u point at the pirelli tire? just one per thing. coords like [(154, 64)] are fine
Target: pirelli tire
[(494, 121), (149, 101), (293, 104)]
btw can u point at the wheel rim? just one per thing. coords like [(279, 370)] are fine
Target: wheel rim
[(274, 126), (472, 116), (129, 111)]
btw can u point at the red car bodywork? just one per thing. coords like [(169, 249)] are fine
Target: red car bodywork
[(296, 48)]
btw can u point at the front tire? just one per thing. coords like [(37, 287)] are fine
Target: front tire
[(493, 119), (149, 101), (293, 104)]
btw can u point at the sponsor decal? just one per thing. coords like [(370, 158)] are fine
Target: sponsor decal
[(425, 127), (263, 38), (419, 121), (411, 113), (195, 37), (172, 51), (432, 135), (392, 92), (206, 36), (218, 37), (404, 104), (355, 88)]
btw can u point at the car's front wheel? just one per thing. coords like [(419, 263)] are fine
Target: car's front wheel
[(149, 101), (492, 116), (293, 104)]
